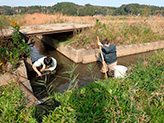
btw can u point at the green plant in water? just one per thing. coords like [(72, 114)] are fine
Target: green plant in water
[(72, 78), (91, 71), (47, 87), (43, 110), (46, 83)]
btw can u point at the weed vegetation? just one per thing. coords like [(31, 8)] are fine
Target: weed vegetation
[(13, 106), (117, 33), (13, 49), (135, 98)]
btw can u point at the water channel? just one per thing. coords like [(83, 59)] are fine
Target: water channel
[(84, 76)]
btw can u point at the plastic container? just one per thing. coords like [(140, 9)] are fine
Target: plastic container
[(120, 71)]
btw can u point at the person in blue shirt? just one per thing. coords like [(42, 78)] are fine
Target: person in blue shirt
[(110, 57)]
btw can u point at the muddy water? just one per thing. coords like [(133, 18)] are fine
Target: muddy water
[(60, 84)]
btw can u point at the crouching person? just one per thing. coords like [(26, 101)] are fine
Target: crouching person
[(45, 63)]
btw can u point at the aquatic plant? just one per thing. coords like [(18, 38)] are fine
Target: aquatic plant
[(70, 76), (46, 84), (91, 71)]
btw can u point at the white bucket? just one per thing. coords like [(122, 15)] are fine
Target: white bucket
[(120, 71)]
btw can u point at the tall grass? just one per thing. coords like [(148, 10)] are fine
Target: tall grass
[(119, 30), (4, 22), (117, 33)]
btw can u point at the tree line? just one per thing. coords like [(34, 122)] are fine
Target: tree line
[(72, 9)]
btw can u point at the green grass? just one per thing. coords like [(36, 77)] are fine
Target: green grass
[(136, 98), (13, 107)]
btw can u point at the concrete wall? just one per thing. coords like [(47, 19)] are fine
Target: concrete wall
[(139, 48), (20, 74), (87, 56)]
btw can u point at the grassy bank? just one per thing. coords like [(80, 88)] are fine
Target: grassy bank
[(13, 107), (136, 98), (118, 33)]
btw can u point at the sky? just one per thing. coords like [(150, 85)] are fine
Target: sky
[(108, 3)]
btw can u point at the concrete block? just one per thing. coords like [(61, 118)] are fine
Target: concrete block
[(88, 56), (5, 79)]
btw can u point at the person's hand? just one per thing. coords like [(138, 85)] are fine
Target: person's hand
[(99, 43), (103, 62), (39, 74)]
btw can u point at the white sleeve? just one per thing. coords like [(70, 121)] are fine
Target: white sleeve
[(54, 64), (44, 66), (39, 62)]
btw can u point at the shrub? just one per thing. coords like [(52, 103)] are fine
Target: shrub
[(13, 50)]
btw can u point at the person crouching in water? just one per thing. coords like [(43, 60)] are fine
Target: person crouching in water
[(47, 63), (110, 57)]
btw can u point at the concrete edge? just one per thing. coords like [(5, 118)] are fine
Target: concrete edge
[(21, 74), (87, 56)]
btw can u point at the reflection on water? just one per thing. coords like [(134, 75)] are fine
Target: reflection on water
[(84, 75)]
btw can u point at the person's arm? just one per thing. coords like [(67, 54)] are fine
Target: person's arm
[(47, 69), (44, 68), (36, 70), (100, 57)]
